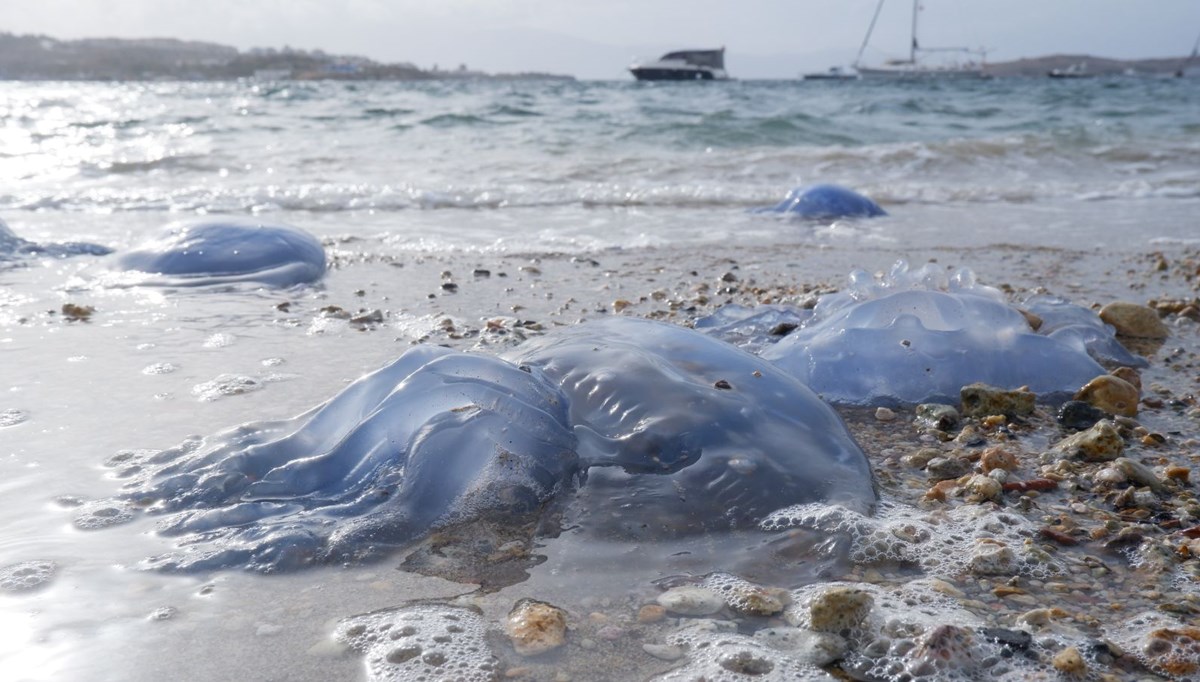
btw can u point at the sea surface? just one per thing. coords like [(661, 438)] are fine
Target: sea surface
[(571, 195), (511, 166)]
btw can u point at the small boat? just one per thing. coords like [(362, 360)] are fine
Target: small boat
[(684, 65), (918, 64), (835, 73), (1076, 70)]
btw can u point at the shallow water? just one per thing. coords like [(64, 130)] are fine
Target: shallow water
[(572, 197)]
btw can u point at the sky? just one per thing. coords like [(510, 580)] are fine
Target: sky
[(600, 38)]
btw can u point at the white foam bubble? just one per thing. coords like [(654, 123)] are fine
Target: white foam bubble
[(102, 514), (12, 417), (26, 575), (943, 543), (422, 642), (1161, 643), (722, 657), (226, 385)]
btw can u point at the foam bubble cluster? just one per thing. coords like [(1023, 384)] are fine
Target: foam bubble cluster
[(914, 632), (12, 417), (966, 538), (102, 514), (422, 642), (1161, 643), (27, 575), (732, 657)]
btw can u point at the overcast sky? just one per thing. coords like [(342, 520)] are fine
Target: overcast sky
[(599, 38)]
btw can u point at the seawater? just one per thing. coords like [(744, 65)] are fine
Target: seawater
[(513, 166), (405, 180)]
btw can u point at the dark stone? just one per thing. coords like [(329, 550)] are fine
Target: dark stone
[(1078, 415)]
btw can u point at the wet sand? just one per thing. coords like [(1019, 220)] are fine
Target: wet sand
[(372, 307)]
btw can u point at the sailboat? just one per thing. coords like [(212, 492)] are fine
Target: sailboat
[(914, 66), (1184, 68)]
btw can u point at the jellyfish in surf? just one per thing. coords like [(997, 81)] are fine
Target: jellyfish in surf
[(225, 251)]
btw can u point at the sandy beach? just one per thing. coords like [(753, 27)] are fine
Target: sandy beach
[(372, 307)]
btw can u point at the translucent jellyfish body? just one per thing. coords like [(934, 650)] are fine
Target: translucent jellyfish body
[(658, 427), (919, 336), (684, 432), (826, 202), (434, 438), (224, 252), (12, 246)]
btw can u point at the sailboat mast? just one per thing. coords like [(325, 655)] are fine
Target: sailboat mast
[(867, 38), (912, 50)]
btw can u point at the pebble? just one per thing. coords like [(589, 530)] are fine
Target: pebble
[(1111, 394), (937, 416), (1109, 476), (883, 414), (1078, 415), (1134, 320), (839, 608), (1138, 473), (1070, 662), (813, 648), (943, 651), (1130, 375), (982, 488), (921, 458), (945, 468), (689, 600), (1101, 443), (1178, 473), (755, 600), (991, 558), (651, 613), (535, 627), (997, 458), (981, 400), (663, 652)]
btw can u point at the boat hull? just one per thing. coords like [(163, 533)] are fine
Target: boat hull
[(923, 74), (665, 74)]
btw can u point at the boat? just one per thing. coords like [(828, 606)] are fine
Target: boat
[(1076, 70), (835, 73), (969, 64), (1185, 68), (684, 65)]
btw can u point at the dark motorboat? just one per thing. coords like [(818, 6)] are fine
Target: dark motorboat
[(684, 65)]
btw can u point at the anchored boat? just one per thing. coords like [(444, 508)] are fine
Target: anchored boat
[(684, 65)]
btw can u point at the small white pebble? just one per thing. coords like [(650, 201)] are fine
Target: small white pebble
[(883, 414)]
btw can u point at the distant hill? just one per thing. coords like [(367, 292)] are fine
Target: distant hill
[(35, 57), (1096, 66)]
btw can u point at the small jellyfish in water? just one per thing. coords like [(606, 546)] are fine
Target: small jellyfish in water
[(226, 251), (825, 202)]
